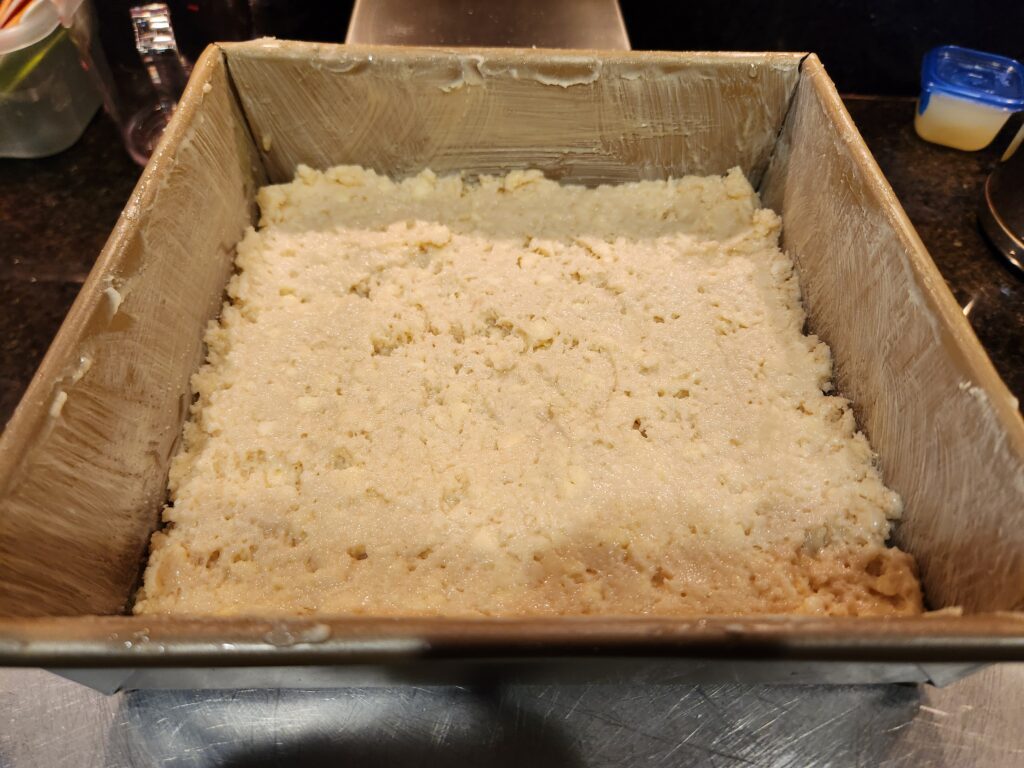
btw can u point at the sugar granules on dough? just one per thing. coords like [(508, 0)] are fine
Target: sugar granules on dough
[(515, 397)]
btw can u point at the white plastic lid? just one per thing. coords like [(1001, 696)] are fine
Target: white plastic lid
[(41, 18)]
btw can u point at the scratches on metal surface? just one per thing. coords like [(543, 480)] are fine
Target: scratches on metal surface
[(51, 723)]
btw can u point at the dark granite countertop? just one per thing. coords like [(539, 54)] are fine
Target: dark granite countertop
[(56, 213)]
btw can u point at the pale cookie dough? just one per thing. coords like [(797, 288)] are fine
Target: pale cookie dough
[(513, 397)]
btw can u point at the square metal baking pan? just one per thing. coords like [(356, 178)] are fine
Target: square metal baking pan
[(83, 461)]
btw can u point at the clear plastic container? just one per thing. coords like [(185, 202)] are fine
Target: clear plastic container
[(46, 96), (967, 96)]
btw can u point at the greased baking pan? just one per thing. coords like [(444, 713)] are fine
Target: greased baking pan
[(83, 461)]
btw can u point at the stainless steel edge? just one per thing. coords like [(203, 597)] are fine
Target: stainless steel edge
[(595, 24)]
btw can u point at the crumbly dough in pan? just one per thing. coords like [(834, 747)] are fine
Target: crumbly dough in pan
[(514, 397)]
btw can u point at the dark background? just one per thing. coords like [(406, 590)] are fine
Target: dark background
[(868, 46)]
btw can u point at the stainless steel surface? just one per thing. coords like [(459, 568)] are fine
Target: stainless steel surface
[(517, 23), (1002, 209), (51, 723)]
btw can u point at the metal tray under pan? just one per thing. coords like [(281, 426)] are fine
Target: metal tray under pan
[(83, 462)]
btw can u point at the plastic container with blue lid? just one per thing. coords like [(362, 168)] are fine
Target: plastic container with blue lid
[(967, 96)]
